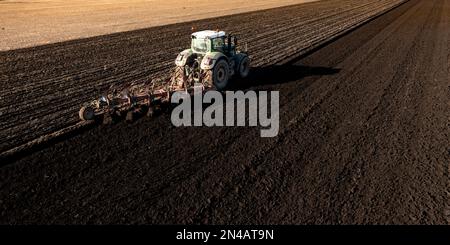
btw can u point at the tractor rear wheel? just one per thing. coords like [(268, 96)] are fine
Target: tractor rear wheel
[(244, 67), (220, 74), (86, 113)]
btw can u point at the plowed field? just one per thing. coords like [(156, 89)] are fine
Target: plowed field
[(364, 127)]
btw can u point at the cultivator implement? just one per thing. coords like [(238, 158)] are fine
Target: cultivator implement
[(138, 98)]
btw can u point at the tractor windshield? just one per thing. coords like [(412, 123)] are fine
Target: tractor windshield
[(200, 45), (217, 44)]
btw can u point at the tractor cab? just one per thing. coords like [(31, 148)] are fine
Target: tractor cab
[(213, 41)]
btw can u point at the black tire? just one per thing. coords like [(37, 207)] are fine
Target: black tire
[(244, 67), (220, 74), (87, 113)]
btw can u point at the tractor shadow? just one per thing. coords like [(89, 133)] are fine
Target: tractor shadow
[(279, 74)]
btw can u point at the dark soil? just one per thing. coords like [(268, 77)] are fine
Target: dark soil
[(364, 138)]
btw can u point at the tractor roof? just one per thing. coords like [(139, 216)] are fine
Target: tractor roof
[(208, 34)]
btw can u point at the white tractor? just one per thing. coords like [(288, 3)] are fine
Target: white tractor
[(212, 60)]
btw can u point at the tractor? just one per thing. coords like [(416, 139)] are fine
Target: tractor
[(212, 60)]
